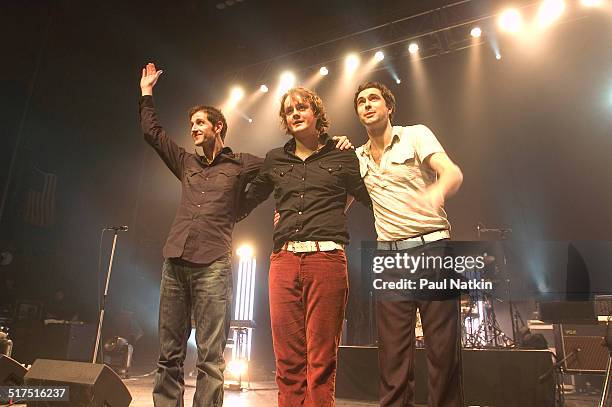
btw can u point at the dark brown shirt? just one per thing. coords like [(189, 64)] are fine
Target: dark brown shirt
[(202, 229), (310, 195)]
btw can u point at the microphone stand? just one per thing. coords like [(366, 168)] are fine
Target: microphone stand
[(503, 235), (103, 302), (558, 364)]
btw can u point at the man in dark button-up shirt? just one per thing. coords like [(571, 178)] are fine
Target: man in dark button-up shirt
[(310, 194), (196, 277), (308, 274)]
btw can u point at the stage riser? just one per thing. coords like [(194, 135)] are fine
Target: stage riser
[(495, 377)]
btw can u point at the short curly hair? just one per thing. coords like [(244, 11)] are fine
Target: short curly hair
[(316, 104), (213, 115), (384, 91)]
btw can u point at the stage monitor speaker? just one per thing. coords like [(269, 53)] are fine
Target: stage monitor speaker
[(11, 372), (498, 377), (587, 343), (90, 385)]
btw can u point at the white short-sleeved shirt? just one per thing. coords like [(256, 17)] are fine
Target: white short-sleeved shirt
[(401, 176)]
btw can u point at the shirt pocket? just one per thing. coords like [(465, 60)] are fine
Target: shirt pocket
[(226, 179), (403, 164), (282, 173), (194, 177), (331, 172)]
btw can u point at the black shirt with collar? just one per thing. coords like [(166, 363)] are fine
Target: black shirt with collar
[(202, 229), (310, 194)]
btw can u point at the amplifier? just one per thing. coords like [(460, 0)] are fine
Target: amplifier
[(590, 355)]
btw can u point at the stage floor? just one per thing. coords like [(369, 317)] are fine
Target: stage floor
[(263, 394)]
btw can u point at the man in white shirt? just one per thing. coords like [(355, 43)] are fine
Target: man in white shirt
[(408, 176)]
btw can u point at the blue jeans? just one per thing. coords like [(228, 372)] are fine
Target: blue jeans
[(207, 292)]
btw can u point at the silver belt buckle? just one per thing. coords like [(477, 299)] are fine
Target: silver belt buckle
[(301, 247)]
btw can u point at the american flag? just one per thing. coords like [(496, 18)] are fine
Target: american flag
[(40, 198)]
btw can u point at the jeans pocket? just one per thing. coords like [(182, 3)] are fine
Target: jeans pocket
[(335, 255)]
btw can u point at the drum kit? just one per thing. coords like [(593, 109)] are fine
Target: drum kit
[(479, 324)]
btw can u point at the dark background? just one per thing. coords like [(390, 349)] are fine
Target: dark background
[(531, 132)]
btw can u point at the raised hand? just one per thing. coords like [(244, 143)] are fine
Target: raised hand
[(149, 78)]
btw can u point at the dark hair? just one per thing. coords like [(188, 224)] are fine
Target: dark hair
[(316, 104), (385, 92), (213, 115)]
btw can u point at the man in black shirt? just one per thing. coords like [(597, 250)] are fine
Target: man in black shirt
[(308, 279), (196, 276)]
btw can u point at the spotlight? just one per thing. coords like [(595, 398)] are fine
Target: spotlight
[(263, 88), (323, 71), (245, 251), (497, 56), (287, 81), (250, 120), (351, 63), (510, 20), (237, 368), (413, 48), (379, 56), (549, 11), (118, 355), (398, 81), (591, 3), (476, 32), (236, 94)]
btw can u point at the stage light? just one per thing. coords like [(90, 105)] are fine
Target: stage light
[(498, 56), (287, 81), (413, 48), (118, 355), (245, 251), (379, 56), (250, 120), (236, 94), (398, 81), (510, 20), (476, 32), (549, 11), (323, 71), (591, 3), (351, 63), (237, 368), (263, 89)]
